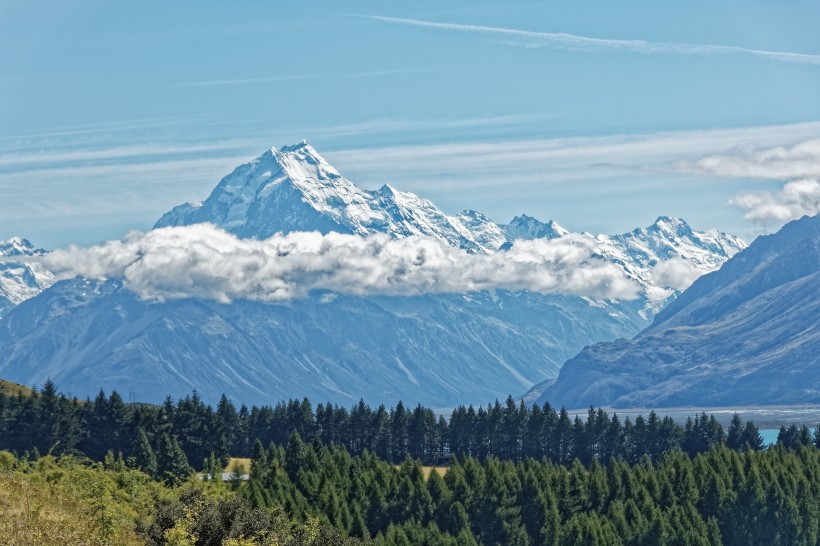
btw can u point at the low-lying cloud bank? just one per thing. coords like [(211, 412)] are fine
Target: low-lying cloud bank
[(203, 261)]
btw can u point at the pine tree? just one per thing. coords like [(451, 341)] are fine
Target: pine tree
[(172, 464), (213, 468), (751, 437), (713, 532), (144, 456), (734, 440), (399, 420), (259, 460)]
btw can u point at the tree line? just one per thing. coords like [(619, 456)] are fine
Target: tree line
[(719, 497), (188, 431)]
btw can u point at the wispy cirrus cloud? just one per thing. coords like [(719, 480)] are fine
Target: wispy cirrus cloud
[(297, 77), (546, 160), (572, 42), (39, 159), (52, 190)]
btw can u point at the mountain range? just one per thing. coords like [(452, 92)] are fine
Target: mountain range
[(20, 280), (436, 349), (747, 334)]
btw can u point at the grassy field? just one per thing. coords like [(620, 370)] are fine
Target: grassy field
[(66, 501), (427, 470), (235, 462), (440, 470)]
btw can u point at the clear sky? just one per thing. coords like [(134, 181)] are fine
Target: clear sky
[(600, 115)]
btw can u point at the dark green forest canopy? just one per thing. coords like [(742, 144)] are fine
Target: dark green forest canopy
[(50, 422), (515, 474), (722, 496)]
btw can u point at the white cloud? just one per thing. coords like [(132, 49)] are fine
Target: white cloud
[(203, 261), (675, 273), (801, 160), (798, 164), (797, 198), (571, 42)]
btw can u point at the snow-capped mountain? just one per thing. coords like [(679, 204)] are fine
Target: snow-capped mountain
[(527, 227), (668, 255), (435, 349), (20, 281), (667, 239), (296, 189), (746, 334)]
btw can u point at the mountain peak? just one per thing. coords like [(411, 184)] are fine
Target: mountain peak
[(671, 223), (296, 147), (673, 220), (17, 246), (296, 189), (522, 218), (387, 190), (528, 227)]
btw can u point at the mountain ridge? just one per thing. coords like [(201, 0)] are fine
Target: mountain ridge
[(745, 334)]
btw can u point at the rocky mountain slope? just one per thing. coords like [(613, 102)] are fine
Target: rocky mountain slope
[(746, 334)]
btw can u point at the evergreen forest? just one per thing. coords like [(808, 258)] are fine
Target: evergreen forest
[(505, 473)]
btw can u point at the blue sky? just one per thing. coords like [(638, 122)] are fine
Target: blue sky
[(599, 115)]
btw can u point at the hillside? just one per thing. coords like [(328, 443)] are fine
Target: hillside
[(9, 388), (744, 335)]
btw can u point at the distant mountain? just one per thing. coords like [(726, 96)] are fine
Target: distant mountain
[(439, 350), (18, 280), (527, 227), (744, 335), (295, 189)]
